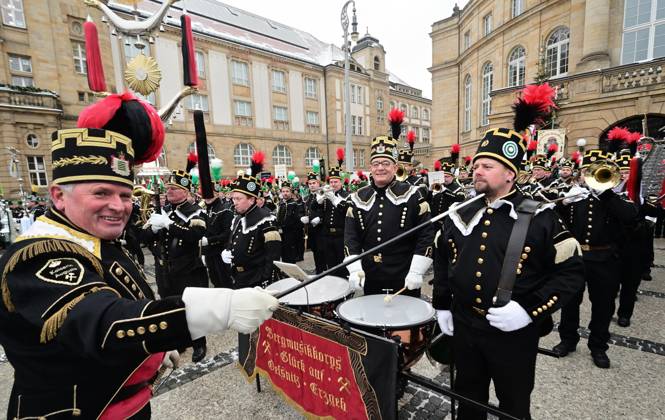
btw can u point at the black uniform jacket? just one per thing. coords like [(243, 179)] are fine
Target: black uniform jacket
[(77, 319), (378, 214), (469, 254), (333, 216), (255, 244), (218, 226), (449, 194)]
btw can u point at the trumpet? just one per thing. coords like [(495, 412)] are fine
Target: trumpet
[(323, 190), (602, 175)]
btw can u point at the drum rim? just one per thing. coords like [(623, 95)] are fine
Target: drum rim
[(394, 327), (342, 295)]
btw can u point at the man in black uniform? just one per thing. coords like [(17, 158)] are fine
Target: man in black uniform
[(312, 221), (177, 235), (379, 212), (216, 237), (451, 191), (78, 320), (333, 204), (289, 213), (595, 218), (255, 241), (500, 343)]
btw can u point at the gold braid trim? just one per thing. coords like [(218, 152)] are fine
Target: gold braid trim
[(53, 324), (43, 247), (79, 160)]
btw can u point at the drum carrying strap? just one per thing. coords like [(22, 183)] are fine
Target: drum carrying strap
[(525, 211)]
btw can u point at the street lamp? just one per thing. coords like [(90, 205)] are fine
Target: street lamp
[(347, 87)]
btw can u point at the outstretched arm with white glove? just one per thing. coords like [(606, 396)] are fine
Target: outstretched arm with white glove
[(508, 318), (211, 311), (356, 273), (227, 256), (445, 319), (419, 265)]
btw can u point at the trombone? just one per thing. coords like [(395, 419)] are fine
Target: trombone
[(600, 176)]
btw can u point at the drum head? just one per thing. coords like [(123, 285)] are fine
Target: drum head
[(373, 311), (327, 289)]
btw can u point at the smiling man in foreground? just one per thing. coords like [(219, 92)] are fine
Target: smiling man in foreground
[(78, 321)]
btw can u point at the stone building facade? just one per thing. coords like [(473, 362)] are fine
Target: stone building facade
[(263, 86), (605, 57)]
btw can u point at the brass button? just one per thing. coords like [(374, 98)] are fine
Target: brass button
[(134, 287), (378, 230), (140, 330), (378, 238), (479, 300), (480, 261), (130, 333), (152, 328), (118, 271), (527, 249), (450, 241), (518, 271), (540, 310), (477, 287), (586, 241), (524, 256), (163, 325), (484, 234), (120, 334), (141, 295), (590, 212), (483, 247), (380, 213), (555, 298), (479, 274), (379, 222), (519, 265), (490, 211), (534, 313), (380, 206), (589, 226), (454, 261), (486, 222), (544, 307)]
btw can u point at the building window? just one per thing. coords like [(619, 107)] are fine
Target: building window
[(467, 103), (358, 158), (281, 155), (280, 117), (414, 112), (516, 7), (357, 94), (487, 24), (467, 41), (485, 98), (278, 81), (22, 81), (311, 155), (243, 115), (37, 171), (197, 102), (161, 160), (404, 109), (425, 114), (379, 103), (80, 61), (313, 123), (20, 63), (425, 135), (356, 125), (377, 63), (32, 141), (240, 73), (12, 13), (192, 149), (516, 68), (200, 64), (242, 154), (556, 57), (402, 134), (643, 31), (392, 105), (310, 88)]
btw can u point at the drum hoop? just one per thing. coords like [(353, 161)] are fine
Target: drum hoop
[(395, 327), (318, 302)]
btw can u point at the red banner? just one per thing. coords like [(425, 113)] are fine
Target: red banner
[(312, 371)]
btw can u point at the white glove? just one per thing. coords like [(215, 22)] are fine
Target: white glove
[(215, 310), (575, 194), (445, 319), (330, 195), (315, 221), (320, 198), (356, 273), (304, 220), (159, 221), (419, 265), (227, 256), (171, 359), (508, 318), (204, 241)]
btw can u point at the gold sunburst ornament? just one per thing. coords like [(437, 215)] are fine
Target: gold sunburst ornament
[(143, 74)]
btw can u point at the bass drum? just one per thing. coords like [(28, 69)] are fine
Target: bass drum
[(319, 298)]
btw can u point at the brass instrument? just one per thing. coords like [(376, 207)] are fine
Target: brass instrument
[(323, 190), (602, 175), (437, 187), (145, 196), (401, 173)]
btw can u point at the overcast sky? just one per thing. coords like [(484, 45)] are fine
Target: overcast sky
[(402, 27)]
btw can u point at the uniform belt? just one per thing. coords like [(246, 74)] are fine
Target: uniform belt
[(332, 230), (239, 268), (479, 311), (587, 248)]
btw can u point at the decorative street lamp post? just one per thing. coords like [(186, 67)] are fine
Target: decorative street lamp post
[(347, 88)]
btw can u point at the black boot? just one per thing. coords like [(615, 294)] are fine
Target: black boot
[(600, 359), (623, 322), (562, 349), (198, 354)]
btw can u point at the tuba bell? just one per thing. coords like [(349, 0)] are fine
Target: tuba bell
[(602, 175), (144, 196), (437, 187), (401, 173)]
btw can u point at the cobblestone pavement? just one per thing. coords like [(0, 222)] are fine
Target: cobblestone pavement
[(565, 388)]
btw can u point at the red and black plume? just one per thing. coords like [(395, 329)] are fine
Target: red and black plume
[(257, 163), (192, 160), (551, 150), (454, 153), (531, 149), (633, 141), (340, 157), (533, 106), (411, 139), (396, 117), (617, 138), (437, 165)]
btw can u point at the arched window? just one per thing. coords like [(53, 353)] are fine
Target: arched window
[(485, 98), (426, 114), (467, 103), (310, 155), (192, 148), (392, 104), (242, 154), (414, 112), (281, 155), (404, 109), (377, 63), (516, 67), (556, 56)]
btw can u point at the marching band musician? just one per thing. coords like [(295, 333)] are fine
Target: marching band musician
[(176, 236), (78, 321), (219, 218), (566, 179), (254, 242), (289, 222), (334, 204), (595, 218), (500, 343), (312, 221), (379, 212), (451, 191)]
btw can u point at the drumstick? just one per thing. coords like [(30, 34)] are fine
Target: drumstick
[(389, 298)]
